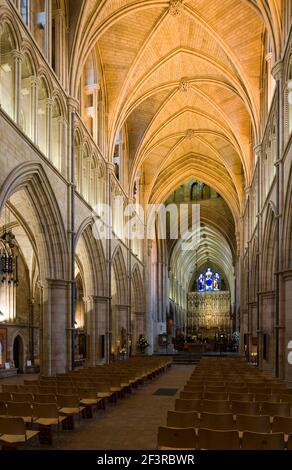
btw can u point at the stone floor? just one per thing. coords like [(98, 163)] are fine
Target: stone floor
[(131, 424)]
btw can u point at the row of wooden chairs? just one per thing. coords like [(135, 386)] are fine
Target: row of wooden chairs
[(228, 421), (227, 404), (232, 396), (45, 414), (209, 439), (236, 407), (47, 402)]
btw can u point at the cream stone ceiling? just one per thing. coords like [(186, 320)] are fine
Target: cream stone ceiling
[(183, 77)]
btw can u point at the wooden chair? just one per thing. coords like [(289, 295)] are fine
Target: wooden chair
[(238, 390), (215, 389), (88, 396), (9, 388), (13, 431), (240, 396), (3, 408), (215, 396), (276, 409), (44, 398), (182, 419), (20, 410), (5, 396), (193, 389), (191, 395), (245, 408), (213, 406), (282, 424), (47, 390), (22, 397), (31, 382), (211, 439), (176, 438), (46, 414), (263, 441), (289, 443), (187, 405), (217, 421), (254, 423), (69, 405)]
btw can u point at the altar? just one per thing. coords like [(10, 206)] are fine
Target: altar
[(208, 313)]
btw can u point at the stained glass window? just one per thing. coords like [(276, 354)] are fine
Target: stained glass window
[(209, 281)]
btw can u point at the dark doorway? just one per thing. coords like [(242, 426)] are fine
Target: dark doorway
[(18, 354)]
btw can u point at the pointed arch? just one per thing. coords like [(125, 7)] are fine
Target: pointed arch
[(138, 290), (269, 251), (91, 255), (120, 273), (287, 229), (47, 227)]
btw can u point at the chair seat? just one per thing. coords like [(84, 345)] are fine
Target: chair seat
[(89, 401), (14, 438), (71, 411), (103, 394), (26, 419), (115, 389), (49, 421)]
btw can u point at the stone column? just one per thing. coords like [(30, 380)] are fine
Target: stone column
[(151, 320), (48, 31), (280, 349), (102, 305), (90, 303), (33, 110), (17, 58), (258, 152), (60, 42), (49, 107), (54, 326)]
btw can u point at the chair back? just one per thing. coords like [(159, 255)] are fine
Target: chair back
[(263, 441), (22, 397), (276, 409), (210, 439), (12, 426), (45, 410), (175, 438), (282, 424), (213, 406), (254, 423), (182, 419), (217, 421), (187, 405), (245, 408)]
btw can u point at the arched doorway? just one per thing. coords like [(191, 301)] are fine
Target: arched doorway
[(18, 354)]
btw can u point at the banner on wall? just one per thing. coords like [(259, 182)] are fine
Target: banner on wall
[(3, 346)]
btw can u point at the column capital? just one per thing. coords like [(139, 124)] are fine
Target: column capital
[(258, 149), (49, 102), (58, 13), (110, 166), (34, 81), (17, 55), (277, 70), (48, 283), (73, 103)]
